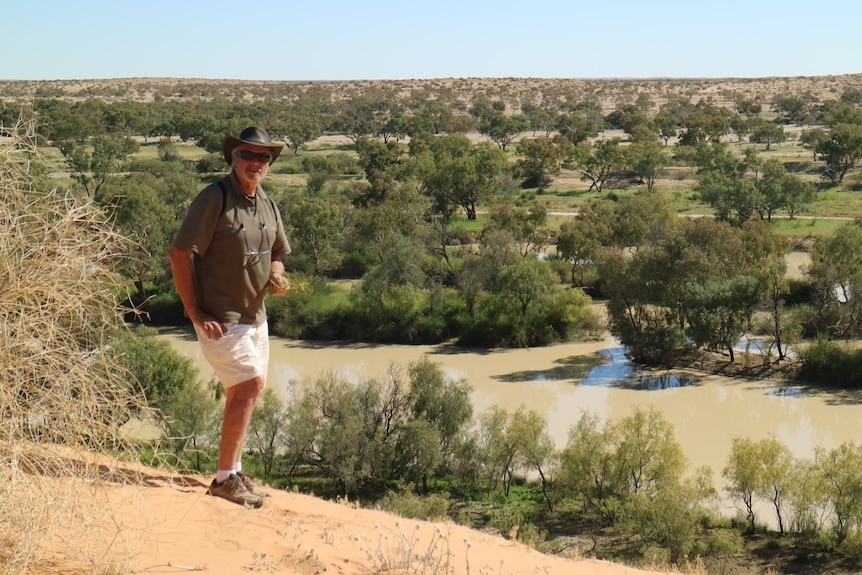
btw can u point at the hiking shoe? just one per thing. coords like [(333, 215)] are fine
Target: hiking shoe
[(250, 485), (233, 490)]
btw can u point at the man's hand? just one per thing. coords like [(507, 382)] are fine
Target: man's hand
[(277, 284), (212, 327)]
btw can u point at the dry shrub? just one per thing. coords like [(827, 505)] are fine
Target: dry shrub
[(62, 395)]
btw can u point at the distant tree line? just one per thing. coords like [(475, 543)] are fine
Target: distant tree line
[(298, 116)]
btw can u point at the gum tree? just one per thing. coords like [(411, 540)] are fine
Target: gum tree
[(841, 150), (456, 173), (525, 282), (541, 159), (836, 274), (316, 226), (648, 160), (503, 129), (598, 164), (697, 284), (768, 134)]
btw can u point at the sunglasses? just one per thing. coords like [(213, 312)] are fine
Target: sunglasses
[(248, 156)]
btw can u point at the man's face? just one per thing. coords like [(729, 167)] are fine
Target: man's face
[(250, 163)]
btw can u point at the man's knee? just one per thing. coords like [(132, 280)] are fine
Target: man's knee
[(250, 389)]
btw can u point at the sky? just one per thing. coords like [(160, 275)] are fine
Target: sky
[(414, 39)]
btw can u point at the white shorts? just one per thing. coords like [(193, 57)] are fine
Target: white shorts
[(239, 355)]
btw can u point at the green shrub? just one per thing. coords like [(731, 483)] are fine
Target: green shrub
[(287, 165), (532, 536), (211, 163), (562, 269), (165, 309), (346, 163), (156, 368), (316, 180), (492, 323), (319, 163), (355, 264), (506, 521), (193, 415), (497, 320), (724, 542), (407, 504), (390, 315), (851, 547), (168, 152), (667, 520), (461, 236), (373, 433), (317, 311), (799, 292), (831, 363), (266, 428), (443, 319)]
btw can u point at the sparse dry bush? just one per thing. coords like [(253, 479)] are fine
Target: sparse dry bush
[(412, 553), (63, 397)]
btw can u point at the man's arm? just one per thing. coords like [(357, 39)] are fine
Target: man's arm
[(181, 268), (276, 266)]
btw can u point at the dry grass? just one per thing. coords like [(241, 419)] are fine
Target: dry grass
[(407, 553), (61, 391)]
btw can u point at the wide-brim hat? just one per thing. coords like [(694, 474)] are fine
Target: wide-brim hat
[(251, 135)]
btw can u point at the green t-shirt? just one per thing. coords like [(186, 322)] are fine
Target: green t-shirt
[(234, 240)]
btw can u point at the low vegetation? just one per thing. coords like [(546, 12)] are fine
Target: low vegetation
[(64, 392), (408, 442)]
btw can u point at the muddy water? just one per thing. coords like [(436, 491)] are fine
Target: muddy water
[(562, 382)]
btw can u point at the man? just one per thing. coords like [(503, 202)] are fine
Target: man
[(225, 257)]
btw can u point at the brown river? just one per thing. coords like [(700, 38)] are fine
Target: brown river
[(562, 382)]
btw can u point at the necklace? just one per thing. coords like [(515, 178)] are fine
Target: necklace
[(255, 254)]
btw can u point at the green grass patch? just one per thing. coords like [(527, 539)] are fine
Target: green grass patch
[(806, 228), (462, 224), (287, 165), (149, 151), (836, 202)]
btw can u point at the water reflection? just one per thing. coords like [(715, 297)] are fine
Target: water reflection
[(568, 368), (786, 391), (607, 368), (657, 382)]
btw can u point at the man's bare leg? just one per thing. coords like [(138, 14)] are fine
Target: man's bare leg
[(239, 405)]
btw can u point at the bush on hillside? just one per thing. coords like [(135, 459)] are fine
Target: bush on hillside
[(62, 392)]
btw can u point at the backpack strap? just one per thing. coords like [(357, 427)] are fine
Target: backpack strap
[(223, 187)]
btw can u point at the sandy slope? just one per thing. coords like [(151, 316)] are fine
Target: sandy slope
[(150, 521)]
